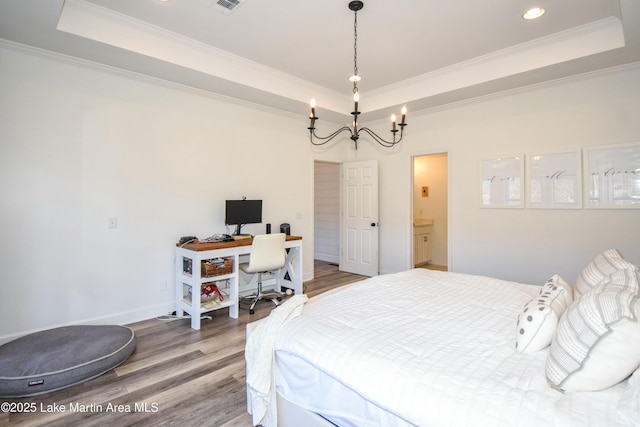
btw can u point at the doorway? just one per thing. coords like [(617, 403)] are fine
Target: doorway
[(346, 215), (326, 212), (430, 211)]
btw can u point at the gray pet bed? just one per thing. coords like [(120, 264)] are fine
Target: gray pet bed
[(57, 358)]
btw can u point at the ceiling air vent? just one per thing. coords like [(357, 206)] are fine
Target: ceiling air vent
[(227, 6)]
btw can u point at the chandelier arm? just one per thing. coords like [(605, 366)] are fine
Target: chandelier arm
[(325, 139), (381, 140)]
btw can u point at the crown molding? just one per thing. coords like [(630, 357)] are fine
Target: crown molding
[(104, 25), (596, 37)]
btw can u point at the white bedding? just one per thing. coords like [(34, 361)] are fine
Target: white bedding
[(431, 348), (259, 356)]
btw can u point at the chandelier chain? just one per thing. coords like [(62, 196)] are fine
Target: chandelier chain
[(355, 51)]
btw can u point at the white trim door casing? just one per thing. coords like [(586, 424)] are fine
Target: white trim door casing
[(359, 251)]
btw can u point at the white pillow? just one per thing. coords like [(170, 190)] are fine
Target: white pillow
[(604, 264), (597, 343), (539, 318)]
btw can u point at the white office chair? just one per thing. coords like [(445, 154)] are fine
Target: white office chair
[(267, 254)]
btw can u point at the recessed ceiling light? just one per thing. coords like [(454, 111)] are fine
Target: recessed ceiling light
[(533, 13)]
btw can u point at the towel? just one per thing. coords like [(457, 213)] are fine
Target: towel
[(259, 355)]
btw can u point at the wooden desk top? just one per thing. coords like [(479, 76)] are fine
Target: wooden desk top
[(222, 245)]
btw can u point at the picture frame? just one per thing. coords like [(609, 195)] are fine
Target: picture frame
[(612, 176), (502, 182), (554, 180)]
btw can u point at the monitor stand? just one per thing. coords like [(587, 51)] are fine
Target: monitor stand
[(238, 235), (241, 236)]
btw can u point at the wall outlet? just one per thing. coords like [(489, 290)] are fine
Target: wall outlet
[(163, 285), (112, 222)]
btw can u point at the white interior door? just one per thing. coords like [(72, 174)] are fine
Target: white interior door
[(359, 251)]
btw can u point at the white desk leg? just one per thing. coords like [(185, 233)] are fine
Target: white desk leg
[(233, 289), (292, 266), (195, 292), (179, 274), (298, 268)]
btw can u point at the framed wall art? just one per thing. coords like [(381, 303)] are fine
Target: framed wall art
[(612, 176), (554, 180), (502, 182)]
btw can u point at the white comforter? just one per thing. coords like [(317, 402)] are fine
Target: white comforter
[(260, 362), (438, 349)]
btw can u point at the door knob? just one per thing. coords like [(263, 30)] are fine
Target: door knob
[(373, 224)]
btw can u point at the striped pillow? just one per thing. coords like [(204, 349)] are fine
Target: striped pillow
[(597, 343), (603, 265)]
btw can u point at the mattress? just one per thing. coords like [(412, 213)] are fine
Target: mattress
[(430, 348)]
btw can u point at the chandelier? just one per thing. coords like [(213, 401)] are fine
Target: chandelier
[(355, 130)]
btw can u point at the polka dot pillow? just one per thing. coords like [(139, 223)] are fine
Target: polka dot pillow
[(539, 317)]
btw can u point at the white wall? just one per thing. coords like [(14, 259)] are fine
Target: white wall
[(80, 145), (527, 245)]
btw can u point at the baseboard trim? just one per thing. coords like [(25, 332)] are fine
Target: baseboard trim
[(122, 318)]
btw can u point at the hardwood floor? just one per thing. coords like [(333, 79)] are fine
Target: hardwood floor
[(434, 267), (176, 376)]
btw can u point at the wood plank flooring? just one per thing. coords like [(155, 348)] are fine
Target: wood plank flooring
[(176, 376), (433, 267)]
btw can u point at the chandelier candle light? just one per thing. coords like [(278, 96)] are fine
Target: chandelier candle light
[(355, 6)]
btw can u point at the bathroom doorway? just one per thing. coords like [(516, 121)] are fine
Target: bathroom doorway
[(431, 211)]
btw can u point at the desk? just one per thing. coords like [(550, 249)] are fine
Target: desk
[(191, 278)]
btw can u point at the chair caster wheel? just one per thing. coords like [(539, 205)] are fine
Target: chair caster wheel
[(279, 298), (252, 311)]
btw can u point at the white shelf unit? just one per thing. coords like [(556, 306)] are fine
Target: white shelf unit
[(190, 301)]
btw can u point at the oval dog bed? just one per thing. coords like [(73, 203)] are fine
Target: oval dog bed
[(57, 358)]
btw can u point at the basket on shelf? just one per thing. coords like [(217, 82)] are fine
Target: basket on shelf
[(208, 299), (209, 292), (216, 267)]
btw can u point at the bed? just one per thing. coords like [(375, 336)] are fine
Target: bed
[(431, 348)]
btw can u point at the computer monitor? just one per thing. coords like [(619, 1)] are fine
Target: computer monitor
[(241, 212)]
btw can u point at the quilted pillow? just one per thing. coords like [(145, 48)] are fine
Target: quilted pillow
[(603, 265), (597, 343), (539, 317)]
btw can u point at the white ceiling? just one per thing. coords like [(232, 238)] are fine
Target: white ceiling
[(421, 53)]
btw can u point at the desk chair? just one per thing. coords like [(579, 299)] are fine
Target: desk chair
[(267, 254)]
